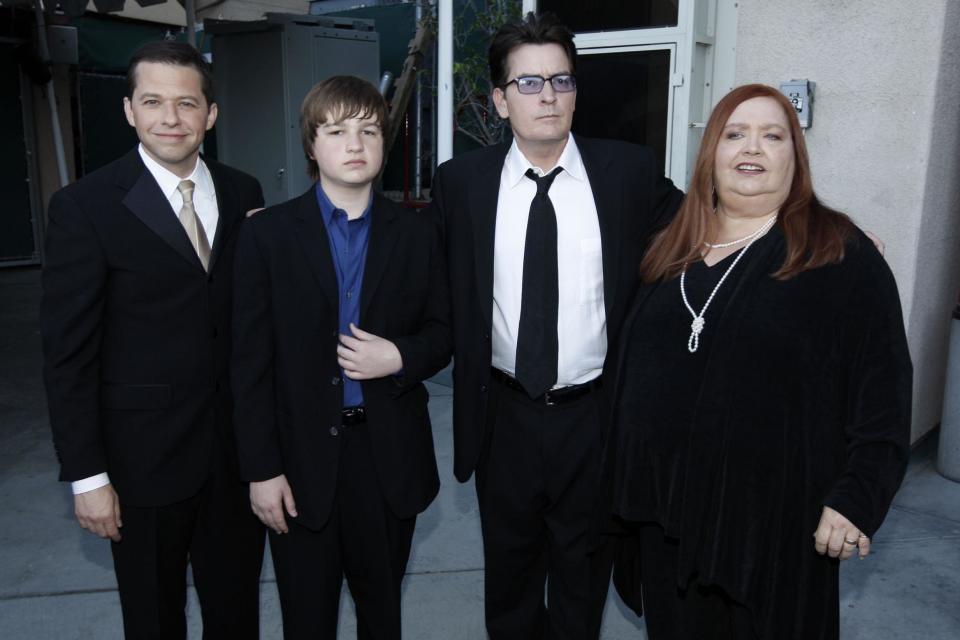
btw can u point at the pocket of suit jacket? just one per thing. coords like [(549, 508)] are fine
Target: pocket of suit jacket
[(136, 397)]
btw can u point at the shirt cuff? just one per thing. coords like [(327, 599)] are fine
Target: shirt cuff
[(91, 483)]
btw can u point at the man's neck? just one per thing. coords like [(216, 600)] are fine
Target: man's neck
[(352, 199), (543, 155), (181, 169)]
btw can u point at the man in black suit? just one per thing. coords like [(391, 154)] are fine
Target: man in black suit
[(136, 332), (544, 238), (341, 310)]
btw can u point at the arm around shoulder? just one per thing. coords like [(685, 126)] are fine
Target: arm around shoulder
[(427, 351)]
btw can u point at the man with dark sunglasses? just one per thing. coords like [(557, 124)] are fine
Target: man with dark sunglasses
[(544, 236)]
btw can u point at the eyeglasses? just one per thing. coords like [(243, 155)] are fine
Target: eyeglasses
[(531, 85)]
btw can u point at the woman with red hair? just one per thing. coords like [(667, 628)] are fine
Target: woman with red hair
[(764, 387)]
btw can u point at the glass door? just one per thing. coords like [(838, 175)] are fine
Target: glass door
[(646, 70), (625, 93)]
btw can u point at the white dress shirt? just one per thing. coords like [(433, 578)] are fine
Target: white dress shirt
[(581, 318), (205, 204)]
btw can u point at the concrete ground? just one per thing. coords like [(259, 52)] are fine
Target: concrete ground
[(56, 580)]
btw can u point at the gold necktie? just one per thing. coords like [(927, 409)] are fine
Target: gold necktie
[(191, 223)]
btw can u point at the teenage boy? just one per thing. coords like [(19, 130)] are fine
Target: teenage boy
[(341, 310)]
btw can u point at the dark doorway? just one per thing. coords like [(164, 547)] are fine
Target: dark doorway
[(17, 241), (625, 95), (612, 15)]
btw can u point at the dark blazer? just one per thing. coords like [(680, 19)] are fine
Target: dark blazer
[(633, 199), (136, 334), (286, 379)]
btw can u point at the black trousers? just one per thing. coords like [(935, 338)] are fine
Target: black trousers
[(362, 541), (217, 533), (537, 486), (693, 612)]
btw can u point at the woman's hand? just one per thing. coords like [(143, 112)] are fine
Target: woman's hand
[(838, 537)]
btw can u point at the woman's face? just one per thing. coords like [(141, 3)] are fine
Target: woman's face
[(754, 162)]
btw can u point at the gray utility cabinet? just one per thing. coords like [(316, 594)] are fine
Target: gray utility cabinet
[(262, 71)]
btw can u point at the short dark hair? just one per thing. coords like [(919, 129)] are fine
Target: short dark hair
[(170, 52), (338, 98), (545, 28)]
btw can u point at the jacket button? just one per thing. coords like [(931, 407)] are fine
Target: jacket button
[(486, 336), (334, 431), (335, 380), (483, 388), (335, 333)]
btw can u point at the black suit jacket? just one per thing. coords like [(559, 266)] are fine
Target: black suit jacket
[(633, 199), (286, 379), (136, 334)]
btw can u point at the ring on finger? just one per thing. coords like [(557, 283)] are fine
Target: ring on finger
[(853, 542)]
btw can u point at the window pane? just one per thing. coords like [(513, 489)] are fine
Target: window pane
[(609, 15), (624, 96)]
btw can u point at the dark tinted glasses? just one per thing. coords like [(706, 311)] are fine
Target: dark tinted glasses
[(528, 85)]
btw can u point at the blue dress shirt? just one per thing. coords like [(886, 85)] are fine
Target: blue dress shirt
[(348, 246)]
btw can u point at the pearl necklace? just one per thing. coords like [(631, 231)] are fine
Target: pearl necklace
[(696, 327), (723, 245)]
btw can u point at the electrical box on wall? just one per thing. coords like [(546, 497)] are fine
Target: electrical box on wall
[(800, 94)]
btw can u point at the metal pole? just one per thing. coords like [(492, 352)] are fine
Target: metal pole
[(190, 8), (948, 453), (444, 80), (418, 117), (51, 97)]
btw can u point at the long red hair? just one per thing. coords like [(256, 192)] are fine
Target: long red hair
[(815, 234)]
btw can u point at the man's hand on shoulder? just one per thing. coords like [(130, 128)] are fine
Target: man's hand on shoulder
[(98, 511), (365, 356), (269, 498), (877, 242)]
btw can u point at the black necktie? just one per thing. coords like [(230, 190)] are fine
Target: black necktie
[(537, 337)]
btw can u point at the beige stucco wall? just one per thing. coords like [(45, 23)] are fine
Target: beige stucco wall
[(885, 141)]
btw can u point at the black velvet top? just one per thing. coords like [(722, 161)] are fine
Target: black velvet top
[(798, 397), (654, 425)]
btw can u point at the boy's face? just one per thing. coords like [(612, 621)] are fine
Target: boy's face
[(349, 153)]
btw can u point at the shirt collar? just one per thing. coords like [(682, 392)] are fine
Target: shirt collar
[(169, 181), (516, 164), (327, 208)]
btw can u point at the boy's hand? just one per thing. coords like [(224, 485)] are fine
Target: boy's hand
[(268, 500), (365, 356)]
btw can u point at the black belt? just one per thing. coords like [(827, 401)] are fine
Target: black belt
[(350, 416), (552, 397)]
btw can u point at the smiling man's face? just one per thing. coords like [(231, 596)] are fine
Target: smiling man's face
[(537, 119), (170, 113)]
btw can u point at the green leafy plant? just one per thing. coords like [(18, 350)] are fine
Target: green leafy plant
[(474, 25)]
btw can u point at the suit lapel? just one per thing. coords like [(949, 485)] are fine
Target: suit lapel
[(483, 196), (313, 239), (228, 214), (607, 187), (379, 247), (145, 200)]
